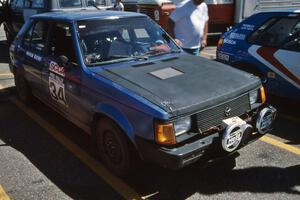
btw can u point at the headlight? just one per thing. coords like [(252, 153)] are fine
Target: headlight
[(253, 96), (182, 125)]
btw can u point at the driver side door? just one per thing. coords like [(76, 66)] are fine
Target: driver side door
[(62, 80)]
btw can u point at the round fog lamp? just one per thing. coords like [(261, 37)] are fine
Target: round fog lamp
[(232, 137), (265, 120)]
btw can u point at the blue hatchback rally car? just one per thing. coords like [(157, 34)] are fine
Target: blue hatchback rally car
[(267, 44), (123, 80)]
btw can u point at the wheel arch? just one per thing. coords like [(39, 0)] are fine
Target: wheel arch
[(114, 114)]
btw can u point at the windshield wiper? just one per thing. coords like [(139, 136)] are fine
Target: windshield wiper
[(175, 51), (157, 53), (130, 57)]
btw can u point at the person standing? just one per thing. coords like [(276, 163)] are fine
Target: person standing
[(118, 5), (189, 24)]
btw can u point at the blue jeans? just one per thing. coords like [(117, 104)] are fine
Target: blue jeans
[(195, 52)]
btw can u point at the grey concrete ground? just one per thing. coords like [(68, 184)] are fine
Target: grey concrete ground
[(33, 165), (2, 34), (6, 77)]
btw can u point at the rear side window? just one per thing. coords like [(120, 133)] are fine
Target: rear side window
[(39, 35), (35, 38), (279, 33), (27, 36), (70, 3)]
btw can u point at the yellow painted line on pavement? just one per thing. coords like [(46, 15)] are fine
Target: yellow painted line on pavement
[(3, 195), (117, 184), (7, 74), (281, 145)]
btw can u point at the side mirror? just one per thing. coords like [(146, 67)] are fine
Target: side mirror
[(64, 62)]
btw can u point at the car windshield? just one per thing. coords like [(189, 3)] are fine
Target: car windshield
[(116, 40)]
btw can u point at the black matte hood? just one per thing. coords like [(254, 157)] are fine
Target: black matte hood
[(183, 84)]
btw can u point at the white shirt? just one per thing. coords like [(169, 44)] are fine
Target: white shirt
[(119, 6), (189, 22)]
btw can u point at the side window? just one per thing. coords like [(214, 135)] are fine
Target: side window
[(39, 35), (36, 36), (27, 37), (276, 32), (258, 33), (62, 42)]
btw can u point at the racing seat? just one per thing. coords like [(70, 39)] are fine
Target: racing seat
[(119, 46)]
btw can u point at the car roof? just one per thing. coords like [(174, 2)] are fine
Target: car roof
[(85, 15), (280, 11)]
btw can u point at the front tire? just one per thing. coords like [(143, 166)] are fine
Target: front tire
[(114, 148)]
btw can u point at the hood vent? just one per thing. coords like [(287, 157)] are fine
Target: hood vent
[(166, 73)]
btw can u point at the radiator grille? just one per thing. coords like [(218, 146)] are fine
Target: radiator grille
[(214, 116)]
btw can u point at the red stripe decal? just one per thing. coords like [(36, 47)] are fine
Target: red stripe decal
[(73, 79), (268, 54)]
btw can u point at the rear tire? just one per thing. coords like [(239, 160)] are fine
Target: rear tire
[(23, 88), (114, 148)]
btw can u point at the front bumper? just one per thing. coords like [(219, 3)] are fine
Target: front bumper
[(209, 147)]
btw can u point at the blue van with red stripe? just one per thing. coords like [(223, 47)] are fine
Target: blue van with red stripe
[(267, 44)]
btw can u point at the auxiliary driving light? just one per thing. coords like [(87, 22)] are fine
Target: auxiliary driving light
[(265, 119)]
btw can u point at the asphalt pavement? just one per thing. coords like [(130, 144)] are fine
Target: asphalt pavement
[(43, 156)]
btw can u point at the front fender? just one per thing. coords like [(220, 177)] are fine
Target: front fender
[(118, 117)]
